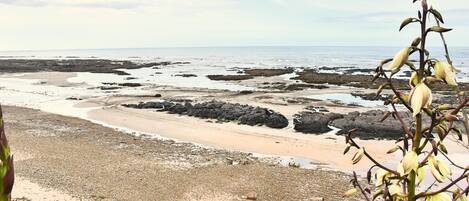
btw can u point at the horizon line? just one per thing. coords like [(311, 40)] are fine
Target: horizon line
[(229, 46)]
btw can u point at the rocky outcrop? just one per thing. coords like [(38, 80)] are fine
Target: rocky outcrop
[(268, 72), (72, 65), (314, 122), (371, 96), (364, 81), (229, 77), (244, 114), (369, 125)]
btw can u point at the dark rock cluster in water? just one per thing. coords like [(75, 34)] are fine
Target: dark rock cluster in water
[(365, 81), (314, 122), (368, 124), (74, 65), (223, 111)]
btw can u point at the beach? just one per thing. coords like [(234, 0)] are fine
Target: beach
[(64, 158), (180, 130)]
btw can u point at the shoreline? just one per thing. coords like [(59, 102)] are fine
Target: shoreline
[(325, 149), (79, 98), (71, 157)]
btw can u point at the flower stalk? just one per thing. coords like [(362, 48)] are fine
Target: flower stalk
[(419, 145)]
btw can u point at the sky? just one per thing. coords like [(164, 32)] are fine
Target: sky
[(92, 24)]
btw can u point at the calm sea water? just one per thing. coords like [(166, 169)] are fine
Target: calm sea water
[(250, 57)]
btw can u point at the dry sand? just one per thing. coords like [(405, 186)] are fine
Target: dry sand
[(64, 158)]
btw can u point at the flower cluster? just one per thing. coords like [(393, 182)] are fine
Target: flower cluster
[(423, 148)]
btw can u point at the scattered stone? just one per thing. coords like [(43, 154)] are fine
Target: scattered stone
[(73, 98), (293, 164), (185, 75), (229, 161), (250, 196), (130, 84), (106, 88), (245, 92)]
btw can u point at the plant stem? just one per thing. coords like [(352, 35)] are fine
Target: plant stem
[(418, 124), (415, 147)]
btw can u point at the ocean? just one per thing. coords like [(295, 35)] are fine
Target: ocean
[(228, 60)]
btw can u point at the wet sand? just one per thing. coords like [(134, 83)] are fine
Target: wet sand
[(258, 139)]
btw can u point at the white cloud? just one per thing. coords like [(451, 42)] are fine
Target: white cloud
[(65, 24)]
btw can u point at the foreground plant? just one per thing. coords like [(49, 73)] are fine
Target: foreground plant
[(422, 145), (7, 175)]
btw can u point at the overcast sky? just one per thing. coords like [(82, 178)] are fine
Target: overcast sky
[(81, 24)]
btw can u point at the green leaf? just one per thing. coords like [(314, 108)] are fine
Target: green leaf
[(438, 29), (416, 42), (437, 15), (406, 22)]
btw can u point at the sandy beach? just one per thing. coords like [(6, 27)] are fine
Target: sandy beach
[(63, 158)]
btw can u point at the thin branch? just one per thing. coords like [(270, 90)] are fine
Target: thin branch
[(448, 58), (463, 176), (355, 178), (353, 143)]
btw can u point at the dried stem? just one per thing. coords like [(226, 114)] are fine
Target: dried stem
[(448, 58)]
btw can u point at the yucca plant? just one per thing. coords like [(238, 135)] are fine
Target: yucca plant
[(7, 174), (423, 148)]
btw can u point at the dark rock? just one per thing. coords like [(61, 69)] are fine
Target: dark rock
[(69, 65), (178, 108), (298, 87), (150, 105), (245, 92), (229, 77), (130, 84), (360, 70), (221, 111), (181, 63), (369, 125), (185, 75), (105, 88), (314, 122), (268, 72), (153, 64), (73, 98), (364, 81)]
